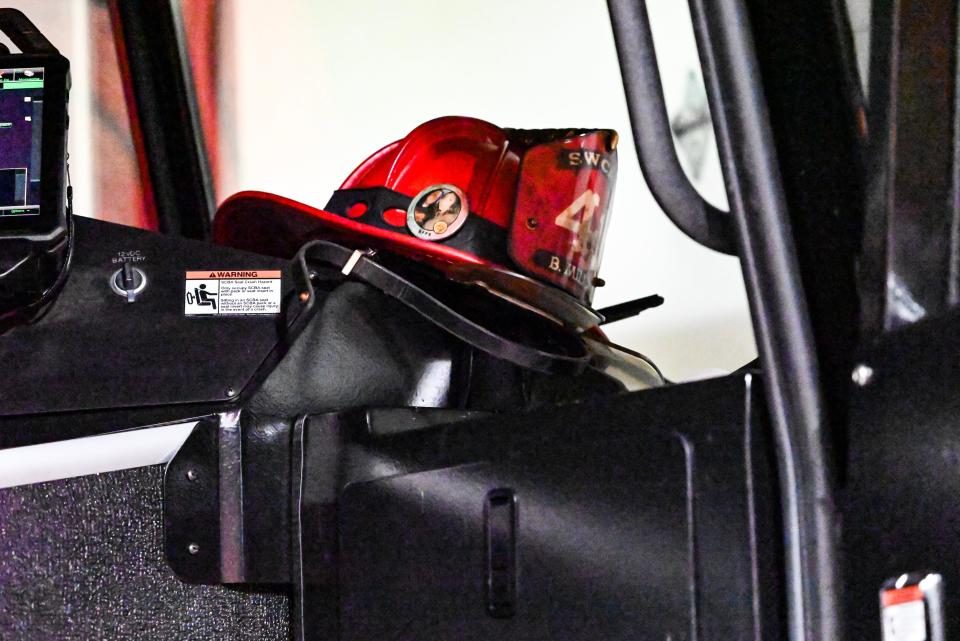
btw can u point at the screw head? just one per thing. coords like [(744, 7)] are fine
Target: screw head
[(192, 475), (231, 391), (862, 375), (193, 548)]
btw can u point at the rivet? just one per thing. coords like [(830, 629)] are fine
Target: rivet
[(862, 375), (531, 223), (193, 548), (231, 391), (304, 297), (191, 475)]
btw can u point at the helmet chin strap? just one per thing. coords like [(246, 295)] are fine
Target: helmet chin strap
[(569, 357)]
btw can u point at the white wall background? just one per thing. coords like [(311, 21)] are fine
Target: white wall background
[(314, 88)]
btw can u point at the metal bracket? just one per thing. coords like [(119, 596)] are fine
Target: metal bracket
[(191, 515), (225, 511), (235, 493)]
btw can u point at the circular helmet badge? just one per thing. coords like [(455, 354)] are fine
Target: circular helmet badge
[(437, 212)]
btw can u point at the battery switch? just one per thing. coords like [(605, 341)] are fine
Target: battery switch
[(128, 281)]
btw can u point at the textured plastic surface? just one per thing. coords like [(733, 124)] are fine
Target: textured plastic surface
[(588, 568), (645, 515), (94, 350), (82, 559)]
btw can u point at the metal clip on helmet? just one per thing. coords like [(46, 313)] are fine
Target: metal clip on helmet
[(521, 213), (35, 238)]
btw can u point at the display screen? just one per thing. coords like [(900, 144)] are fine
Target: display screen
[(21, 124)]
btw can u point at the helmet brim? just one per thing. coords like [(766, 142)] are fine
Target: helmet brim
[(265, 223)]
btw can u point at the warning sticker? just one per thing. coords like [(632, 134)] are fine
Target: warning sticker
[(232, 292), (904, 615)]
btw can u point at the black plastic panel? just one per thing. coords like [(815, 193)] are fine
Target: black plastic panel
[(603, 548), (648, 515), (911, 245), (98, 351), (902, 509), (17, 431)]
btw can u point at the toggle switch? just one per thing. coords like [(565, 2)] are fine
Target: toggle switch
[(128, 281)]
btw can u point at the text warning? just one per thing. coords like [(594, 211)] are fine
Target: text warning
[(243, 292)]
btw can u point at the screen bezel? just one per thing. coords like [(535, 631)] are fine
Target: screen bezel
[(53, 148)]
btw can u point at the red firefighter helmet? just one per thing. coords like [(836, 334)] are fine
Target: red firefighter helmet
[(521, 212)]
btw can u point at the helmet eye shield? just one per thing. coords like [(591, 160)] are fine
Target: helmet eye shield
[(561, 213), (537, 203)]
